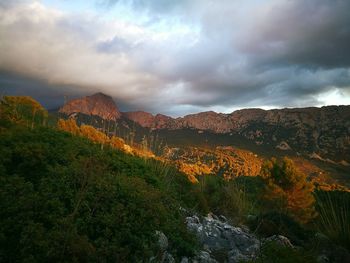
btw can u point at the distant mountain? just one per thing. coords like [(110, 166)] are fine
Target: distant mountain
[(320, 133), (99, 104), (147, 120)]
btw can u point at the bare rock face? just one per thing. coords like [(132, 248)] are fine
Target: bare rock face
[(325, 131), (98, 104), (211, 121), (143, 118), (148, 120)]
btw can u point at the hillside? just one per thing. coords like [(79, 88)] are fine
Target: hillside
[(66, 199), (320, 136), (319, 133), (74, 193)]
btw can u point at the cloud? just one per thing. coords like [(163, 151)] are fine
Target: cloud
[(187, 55), (309, 33)]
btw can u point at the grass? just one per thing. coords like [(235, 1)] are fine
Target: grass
[(240, 205), (334, 216), (271, 252)]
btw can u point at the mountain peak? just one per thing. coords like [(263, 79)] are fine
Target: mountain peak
[(98, 104), (100, 95)]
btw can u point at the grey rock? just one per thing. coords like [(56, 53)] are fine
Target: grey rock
[(167, 258), (322, 259), (162, 241), (215, 234), (223, 219), (204, 257), (236, 256), (279, 239)]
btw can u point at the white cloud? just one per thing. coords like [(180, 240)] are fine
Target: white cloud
[(334, 96)]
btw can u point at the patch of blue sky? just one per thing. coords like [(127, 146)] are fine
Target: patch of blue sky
[(124, 11)]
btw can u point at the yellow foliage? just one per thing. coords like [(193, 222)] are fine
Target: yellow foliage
[(116, 142), (69, 126), (97, 136), (94, 135), (21, 109), (228, 162)]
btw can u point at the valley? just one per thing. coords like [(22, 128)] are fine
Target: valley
[(320, 137)]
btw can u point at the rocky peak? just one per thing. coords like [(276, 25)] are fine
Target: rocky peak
[(143, 118), (148, 120), (98, 104)]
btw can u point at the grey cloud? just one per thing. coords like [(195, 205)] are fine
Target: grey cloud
[(309, 33), (158, 6)]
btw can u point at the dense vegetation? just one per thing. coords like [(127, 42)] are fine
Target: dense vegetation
[(69, 195), (63, 198)]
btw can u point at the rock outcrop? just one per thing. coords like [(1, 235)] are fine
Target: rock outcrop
[(148, 120), (98, 104), (236, 243)]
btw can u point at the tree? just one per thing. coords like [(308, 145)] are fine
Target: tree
[(288, 189), (22, 110), (69, 126)]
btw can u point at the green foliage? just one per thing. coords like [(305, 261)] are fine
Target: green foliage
[(334, 215), (273, 223), (177, 185), (235, 199), (274, 253), (288, 190), (65, 200)]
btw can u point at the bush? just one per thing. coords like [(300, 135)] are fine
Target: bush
[(234, 198), (274, 223), (64, 199), (272, 252), (288, 190)]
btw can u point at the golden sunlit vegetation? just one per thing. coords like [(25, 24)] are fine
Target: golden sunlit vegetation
[(227, 162), (97, 136), (101, 138), (22, 110), (289, 189)]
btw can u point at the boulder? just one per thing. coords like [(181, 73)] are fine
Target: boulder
[(215, 234), (162, 241)]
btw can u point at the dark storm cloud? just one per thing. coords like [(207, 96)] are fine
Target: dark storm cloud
[(49, 96), (309, 33), (285, 53), (188, 55)]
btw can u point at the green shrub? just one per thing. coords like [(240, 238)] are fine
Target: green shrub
[(288, 190), (234, 199), (274, 253), (64, 199), (274, 223)]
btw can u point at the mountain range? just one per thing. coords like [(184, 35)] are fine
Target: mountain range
[(319, 133)]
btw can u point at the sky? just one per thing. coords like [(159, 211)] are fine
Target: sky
[(178, 57)]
